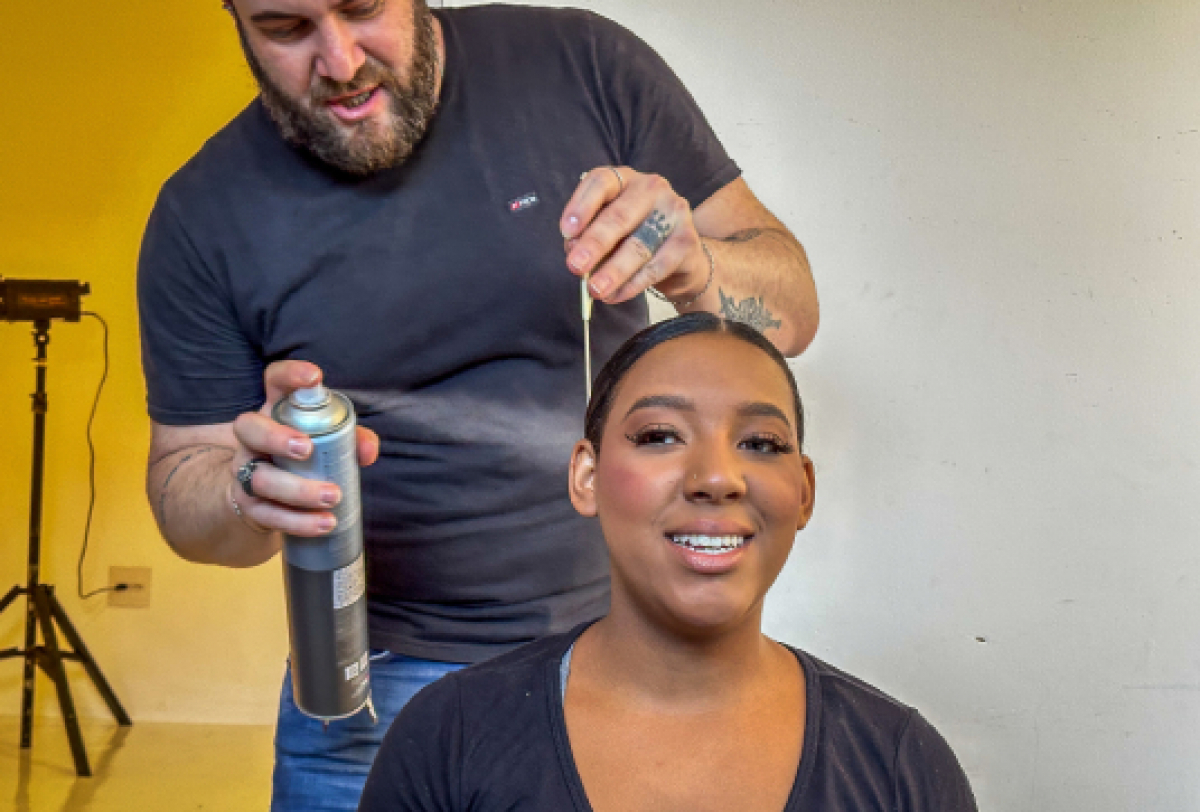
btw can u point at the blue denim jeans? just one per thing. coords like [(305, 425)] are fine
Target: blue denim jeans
[(319, 769)]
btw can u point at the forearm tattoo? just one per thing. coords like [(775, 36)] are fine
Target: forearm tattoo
[(745, 235), (749, 311), (781, 236), (193, 453)]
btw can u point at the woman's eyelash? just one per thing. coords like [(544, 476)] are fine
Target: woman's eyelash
[(773, 444), (666, 435), (653, 435)]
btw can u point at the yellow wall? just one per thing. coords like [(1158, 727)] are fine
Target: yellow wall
[(102, 102)]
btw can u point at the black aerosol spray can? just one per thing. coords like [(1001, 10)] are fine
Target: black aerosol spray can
[(325, 576)]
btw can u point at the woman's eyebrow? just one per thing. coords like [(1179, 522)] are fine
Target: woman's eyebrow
[(668, 401), (760, 409)]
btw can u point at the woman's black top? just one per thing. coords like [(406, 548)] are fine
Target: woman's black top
[(493, 737)]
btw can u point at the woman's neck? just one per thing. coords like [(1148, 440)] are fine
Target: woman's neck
[(660, 665)]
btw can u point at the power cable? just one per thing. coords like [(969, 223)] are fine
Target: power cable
[(87, 527)]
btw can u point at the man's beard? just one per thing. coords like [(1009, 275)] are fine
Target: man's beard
[(367, 146)]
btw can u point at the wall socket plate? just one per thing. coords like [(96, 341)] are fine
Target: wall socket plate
[(137, 596)]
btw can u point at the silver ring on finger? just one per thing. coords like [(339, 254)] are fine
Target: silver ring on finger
[(245, 475), (620, 180), (653, 231), (241, 514)]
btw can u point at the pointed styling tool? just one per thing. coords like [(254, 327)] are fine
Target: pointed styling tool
[(586, 304)]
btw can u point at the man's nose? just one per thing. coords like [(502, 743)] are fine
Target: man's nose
[(714, 474), (340, 55)]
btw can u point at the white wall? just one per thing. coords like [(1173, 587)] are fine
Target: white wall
[(1000, 201), (1001, 205)]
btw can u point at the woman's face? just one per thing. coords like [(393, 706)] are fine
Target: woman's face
[(699, 484)]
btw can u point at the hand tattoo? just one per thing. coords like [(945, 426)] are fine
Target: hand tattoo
[(653, 231), (749, 311)]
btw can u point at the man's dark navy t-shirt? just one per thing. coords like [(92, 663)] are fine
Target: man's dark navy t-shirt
[(493, 738), (436, 296)]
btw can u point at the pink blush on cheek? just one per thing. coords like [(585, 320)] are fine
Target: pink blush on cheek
[(633, 490)]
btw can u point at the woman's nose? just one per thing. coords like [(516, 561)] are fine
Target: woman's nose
[(340, 56), (714, 474)]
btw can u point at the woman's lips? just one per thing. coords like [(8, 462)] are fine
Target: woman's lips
[(710, 553)]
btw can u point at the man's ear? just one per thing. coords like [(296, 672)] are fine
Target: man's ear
[(810, 493), (582, 478)]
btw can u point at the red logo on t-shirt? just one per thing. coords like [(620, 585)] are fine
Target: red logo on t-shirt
[(527, 201)]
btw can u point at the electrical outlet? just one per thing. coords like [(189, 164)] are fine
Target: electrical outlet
[(136, 595)]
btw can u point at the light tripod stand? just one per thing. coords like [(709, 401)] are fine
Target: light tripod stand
[(42, 609)]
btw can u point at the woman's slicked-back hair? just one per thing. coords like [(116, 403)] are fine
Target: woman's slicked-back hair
[(604, 392)]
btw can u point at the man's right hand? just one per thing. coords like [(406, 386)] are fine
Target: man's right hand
[(192, 486), (283, 501)]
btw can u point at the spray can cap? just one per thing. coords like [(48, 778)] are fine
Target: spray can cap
[(311, 397)]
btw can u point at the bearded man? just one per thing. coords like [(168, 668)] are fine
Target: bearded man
[(401, 212)]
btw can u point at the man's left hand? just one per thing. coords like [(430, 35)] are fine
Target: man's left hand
[(629, 231)]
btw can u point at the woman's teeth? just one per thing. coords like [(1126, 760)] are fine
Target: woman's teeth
[(709, 545)]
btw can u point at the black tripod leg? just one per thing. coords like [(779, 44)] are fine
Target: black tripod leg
[(30, 674), (52, 662), (12, 593), (85, 657)]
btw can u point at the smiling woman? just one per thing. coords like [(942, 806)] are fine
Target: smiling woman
[(701, 474), (675, 700)]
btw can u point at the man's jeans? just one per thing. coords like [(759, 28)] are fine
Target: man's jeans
[(317, 769)]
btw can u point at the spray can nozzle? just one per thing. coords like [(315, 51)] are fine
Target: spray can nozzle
[(310, 397)]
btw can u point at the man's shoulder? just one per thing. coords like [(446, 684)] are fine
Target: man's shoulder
[(226, 155), (518, 16), (546, 25)]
